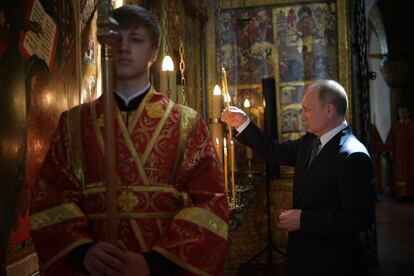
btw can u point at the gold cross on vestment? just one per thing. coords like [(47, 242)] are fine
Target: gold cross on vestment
[(127, 201)]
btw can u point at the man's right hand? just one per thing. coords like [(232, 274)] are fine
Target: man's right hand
[(235, 116)]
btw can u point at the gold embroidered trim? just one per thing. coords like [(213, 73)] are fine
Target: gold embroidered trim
[(154, 110), (133, 188), (75, 140), (64, 252), (138, 235), (187, 121), (205, 219), (55, 215), (157, 131), (96, 127), (132, 149), (159, 215), (139, 162), (98, 184), (141, 107), (127, 201), (180, 262)]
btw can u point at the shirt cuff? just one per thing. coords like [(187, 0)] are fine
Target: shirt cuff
[(159, 265), (244, 125), (77, 256)]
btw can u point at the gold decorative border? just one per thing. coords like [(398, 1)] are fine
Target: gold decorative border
[(157, 131), (155, 215), (133, 188), (75, 140), (55, 215), (204, 219)]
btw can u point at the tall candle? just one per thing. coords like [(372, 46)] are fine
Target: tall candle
[(216, 102), (226, 176), (233, 186), (217, 135), (218, 146)]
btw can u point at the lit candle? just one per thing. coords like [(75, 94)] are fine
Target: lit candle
[(217, 135), (233, 186), (247, 105), (216, 102), (168, 85), (226, 176), (227, 100), (216, 127)]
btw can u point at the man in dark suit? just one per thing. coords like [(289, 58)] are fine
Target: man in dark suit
[(333, 197)]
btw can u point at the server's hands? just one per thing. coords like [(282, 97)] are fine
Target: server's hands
[(104, 258)]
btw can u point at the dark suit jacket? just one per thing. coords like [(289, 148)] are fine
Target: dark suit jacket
[(335, 195)]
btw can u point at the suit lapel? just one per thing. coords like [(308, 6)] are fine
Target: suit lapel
[(320, 162)]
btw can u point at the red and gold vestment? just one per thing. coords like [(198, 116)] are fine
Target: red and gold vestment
[(170, 190)]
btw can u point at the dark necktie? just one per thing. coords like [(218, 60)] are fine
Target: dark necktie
[(315, 149)]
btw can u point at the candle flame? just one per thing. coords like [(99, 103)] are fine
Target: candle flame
[(246, 103), (217, 90), (167, 64), (227, 98)]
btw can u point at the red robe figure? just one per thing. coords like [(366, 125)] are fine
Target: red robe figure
[(170, 192), (400, 143)]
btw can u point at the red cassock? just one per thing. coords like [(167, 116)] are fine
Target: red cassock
[(401, 145), (170, 190)]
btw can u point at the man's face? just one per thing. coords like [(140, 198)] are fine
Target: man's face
[(315, 114), (133, 54)]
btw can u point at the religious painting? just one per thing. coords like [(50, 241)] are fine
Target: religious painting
[(296, 43), (246, 43), (306, 38), (306, 42), (89, 58)]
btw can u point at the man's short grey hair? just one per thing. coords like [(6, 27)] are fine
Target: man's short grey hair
[(331, 92)]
